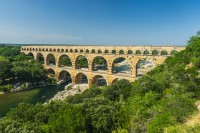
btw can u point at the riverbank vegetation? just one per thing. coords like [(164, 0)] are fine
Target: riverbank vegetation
[(17, 69), (160, 101)]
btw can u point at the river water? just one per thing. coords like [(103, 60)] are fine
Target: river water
[(33, 96)]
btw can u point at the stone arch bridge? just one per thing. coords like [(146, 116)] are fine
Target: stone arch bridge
[(131, 53)]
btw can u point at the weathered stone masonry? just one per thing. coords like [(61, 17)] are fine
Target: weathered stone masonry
[(132, 53)]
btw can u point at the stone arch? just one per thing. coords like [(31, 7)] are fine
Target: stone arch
[(99, 51), (129, 52), (51, 72), (58, 50), (76, 50), (64, 61), (115, 80), (81, 78), (50, 59), (42, 49), (138, 52), (99, 63), (164, 52), (99, 80), (50, 50), (47, 49), (71, 50), (81, 62), (106, 51), (66, 50), (113, 51), (54, 50), (33, 49), (40, 58), (65, 76), (93, 51), (121, 51), (121, 65), (144, 65), (87, 51), (30, 49), (81, 51), (62, 50), (146, 52), (36, 49), (155, 52), (31, 55), (173, 52), (39, 49)]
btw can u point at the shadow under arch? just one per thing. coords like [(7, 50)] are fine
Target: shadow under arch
[(40, 58), (81, 62), (115, 80), (50, 60), (30, 54), (121, 65), (81, 78), (65, 76), (99, 80), (64, 61), (51, 72), (143, 66), (99, 63)]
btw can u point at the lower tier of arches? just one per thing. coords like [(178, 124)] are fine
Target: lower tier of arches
[(91, 78)]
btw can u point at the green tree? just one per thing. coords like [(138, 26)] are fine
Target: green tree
[(28, 71), (5, 69), (68, 119)]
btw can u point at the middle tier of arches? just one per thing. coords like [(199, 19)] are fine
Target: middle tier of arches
[(92, 62)]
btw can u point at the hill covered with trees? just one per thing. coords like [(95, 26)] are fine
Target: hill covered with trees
[(160, 101), (16, 67)]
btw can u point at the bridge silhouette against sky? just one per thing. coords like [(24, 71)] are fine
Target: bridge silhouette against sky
[(132, 54)]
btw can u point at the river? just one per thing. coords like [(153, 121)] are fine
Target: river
[(33, 96)]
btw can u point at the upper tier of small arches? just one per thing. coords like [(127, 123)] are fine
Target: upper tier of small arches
[(144, 51)]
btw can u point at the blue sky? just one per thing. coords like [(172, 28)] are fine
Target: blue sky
[(99, 22)]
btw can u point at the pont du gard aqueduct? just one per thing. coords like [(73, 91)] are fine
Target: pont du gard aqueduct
[(92, 72)]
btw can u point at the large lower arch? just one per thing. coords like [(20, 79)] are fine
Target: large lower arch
[(50, 60), (144, 65), (81, 78), (40, 58), (99, 63), (64, 61), (99, 80), (65, 76), (121, 65), (81, 62)]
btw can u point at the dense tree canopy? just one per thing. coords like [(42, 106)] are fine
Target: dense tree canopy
[(17, 67)]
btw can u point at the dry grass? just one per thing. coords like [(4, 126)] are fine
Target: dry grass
[(195, 119)]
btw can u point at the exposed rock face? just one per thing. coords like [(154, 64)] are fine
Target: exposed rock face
[(70, 90)]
